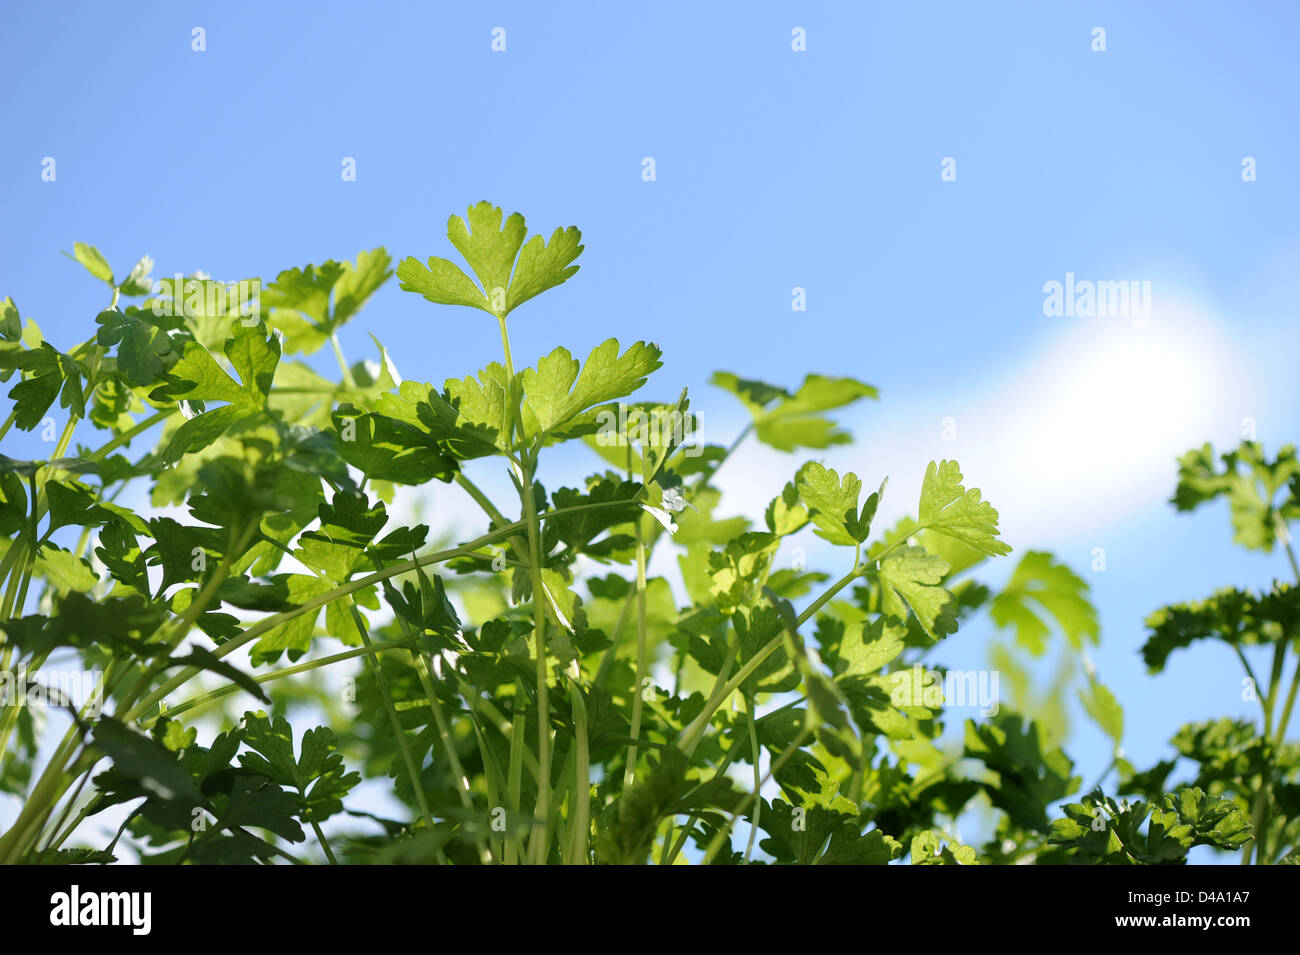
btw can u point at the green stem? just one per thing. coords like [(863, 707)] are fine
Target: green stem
[(324, 843), (539, 842), (718, 773), (692, 734), (656, 533), (348, 380), (1285, 720), (775, 768), (425, 671), (126, 436), (758, 779), (314, 604), (641, 654), (233, 688), (518, 746), (1290, 556), (1104, 773), (581, 824), (1260, 815), (417, 786), (53, 783)]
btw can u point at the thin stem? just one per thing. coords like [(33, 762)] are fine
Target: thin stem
[(324, 843), (1290, 556), (1104, 773), (1250, 674), (1285, 720), (232, 688), (52, 784), (641, 654), (1260, 814), (314, 604), (538, 844), (126, 436), (518, 746), (656, 533), (724, 832), (581, 825), (721, 770), (348, 380), (758, 779)]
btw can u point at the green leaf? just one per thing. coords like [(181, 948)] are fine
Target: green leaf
[(95, 263), (909, 579), (155, 767), (201, 432), (348, 525), (64, 571), (1250, 482), (797, 835), (1235, 617), (294, 635), (478, 409), (13, 502), (73, 504), (544, 265), (755, 629), (557, 392), (1099, 830), (1217, 821), (306, 290), (144, 350), (254, 358), (300, 298), (735, 570), (120, 623), (1100, 703), (850, 847), (1031, 775), (576, 531), (387, 449), (51, 374), (788, 422), (866, 648), (11, 325), (832, 503), (489, 249), (928, 848), (198, 377), (441, 282), (358, 282), (785, 515), (629, 825), (950, 509), (1058, 591), (137, 281)]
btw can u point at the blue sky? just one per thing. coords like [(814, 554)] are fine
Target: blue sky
[(774, 169)]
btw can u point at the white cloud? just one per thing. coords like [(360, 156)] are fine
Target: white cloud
[(1084, 436)]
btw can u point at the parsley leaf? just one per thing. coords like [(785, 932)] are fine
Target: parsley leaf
[(948, 508)]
